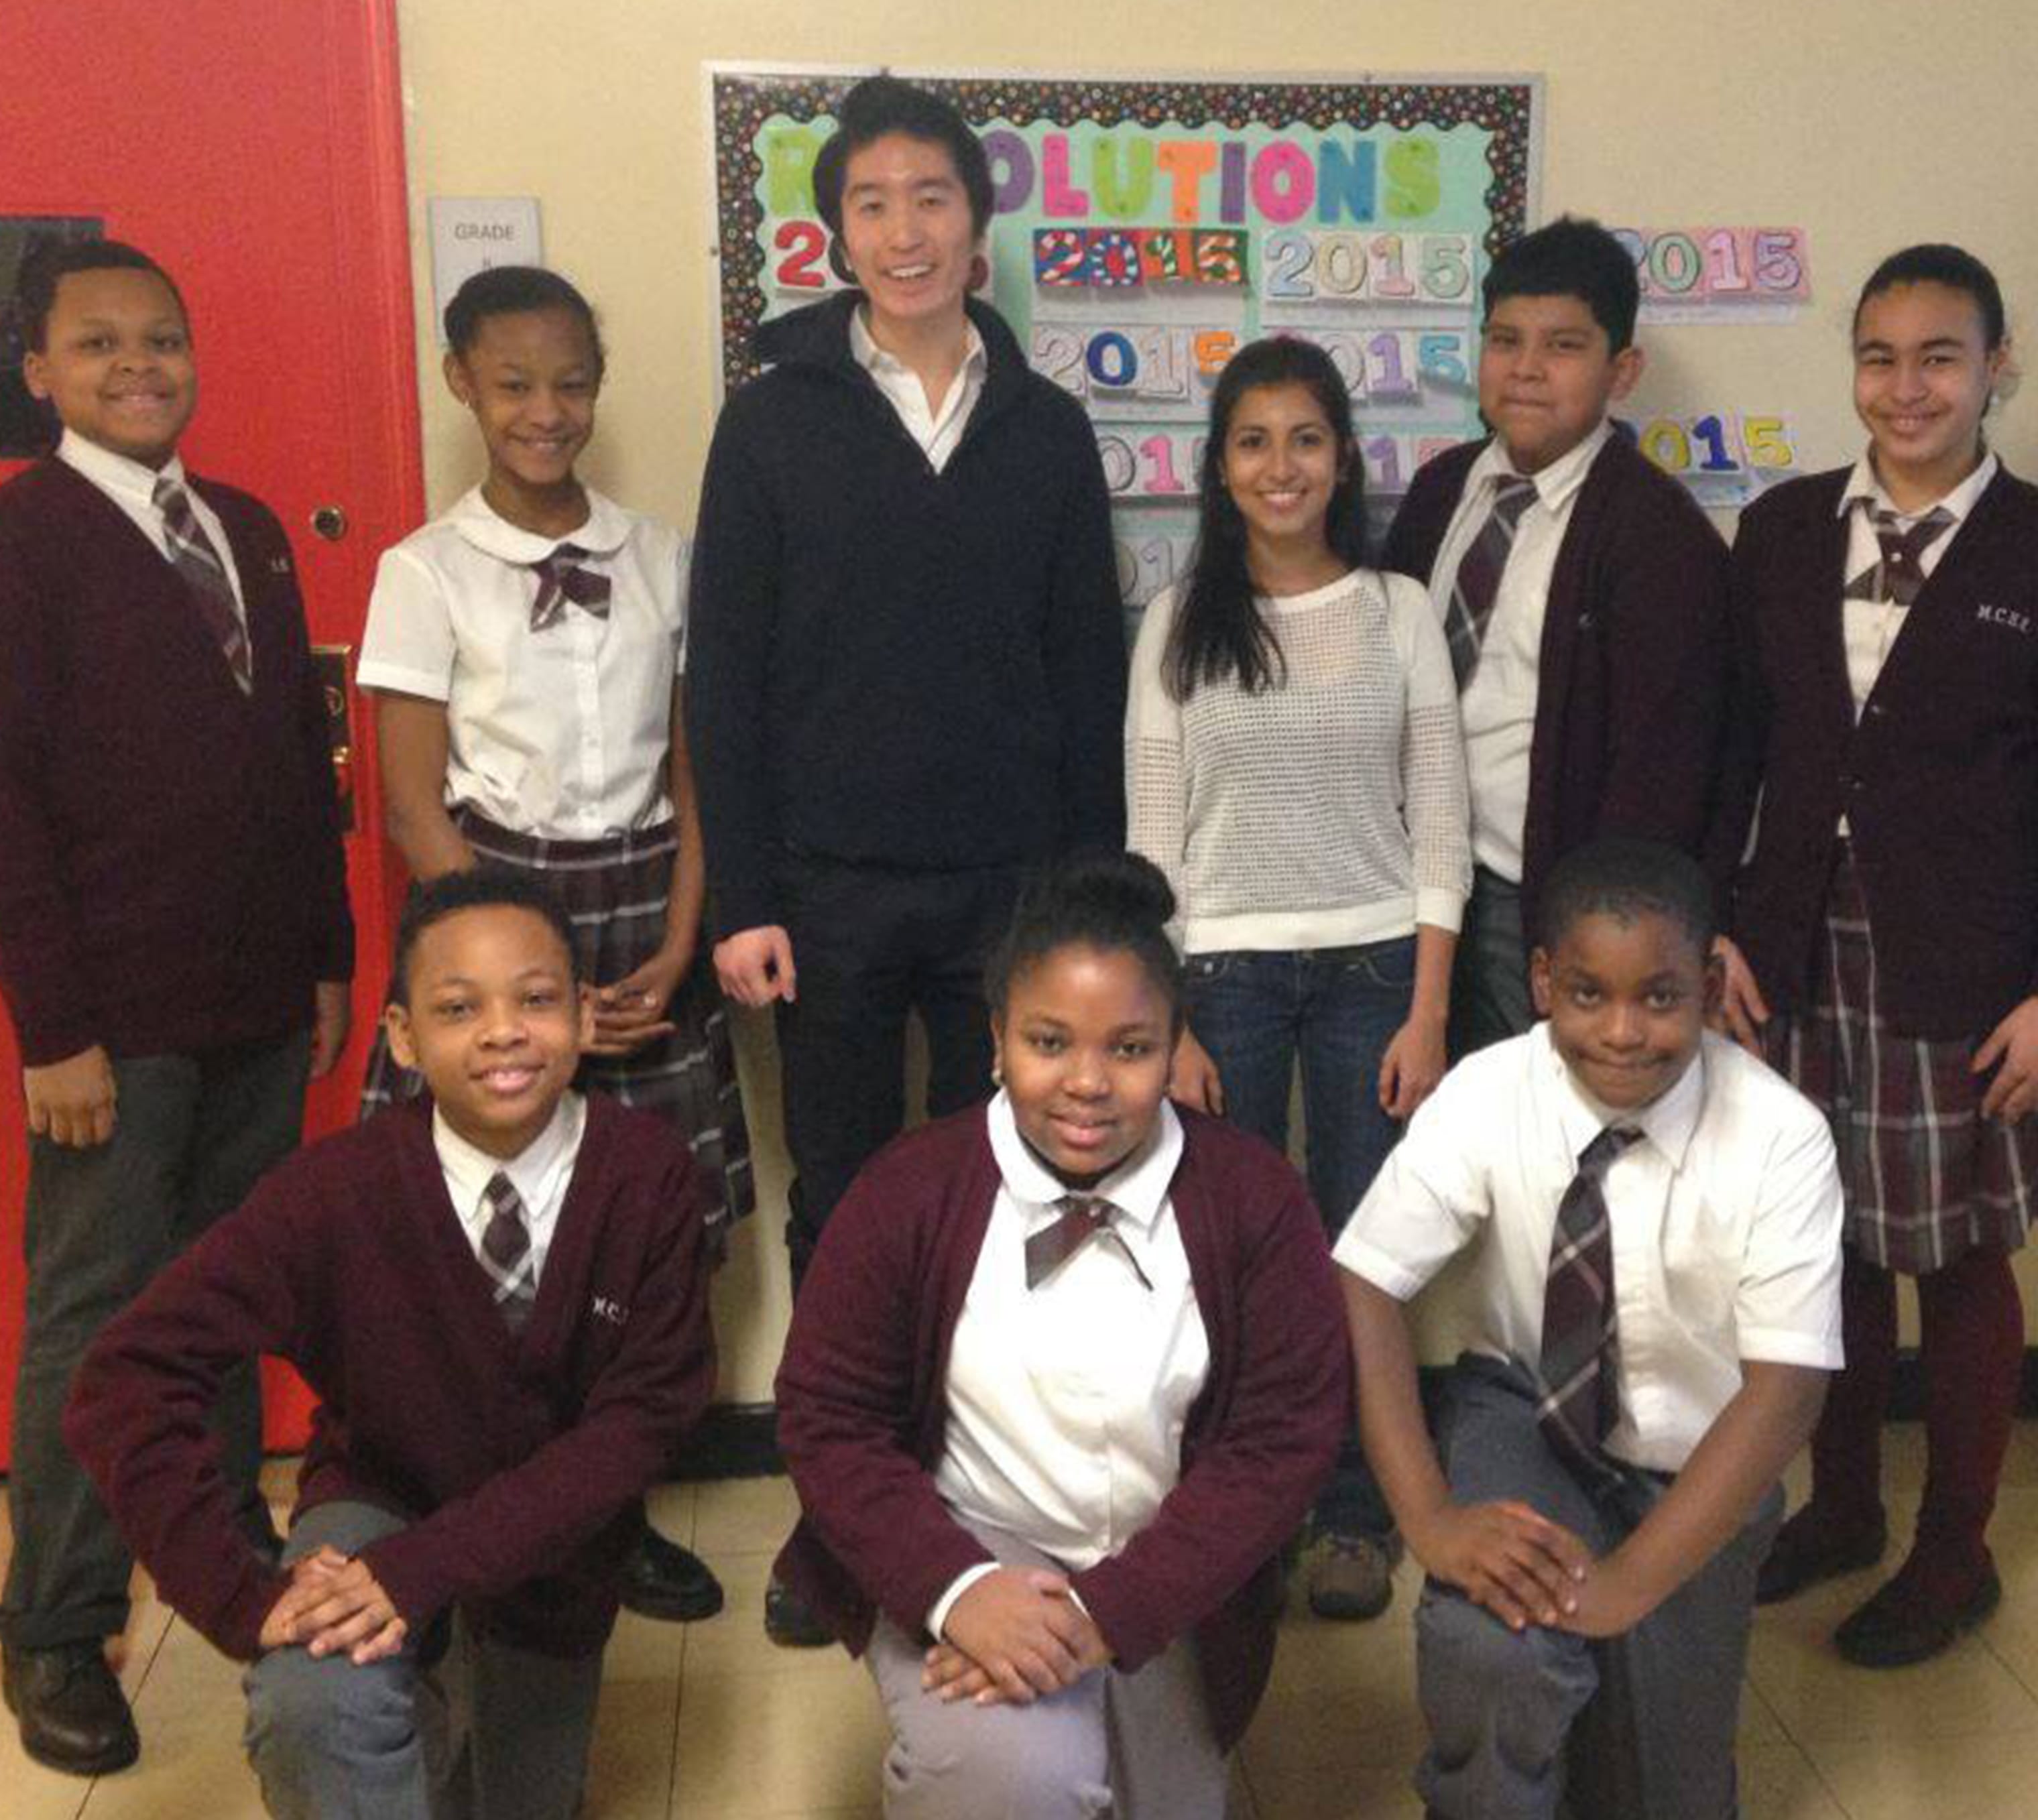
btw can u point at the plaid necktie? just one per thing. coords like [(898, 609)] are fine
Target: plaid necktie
[(505, 1252), (561, 579), (1898, 575), (193, 557), (1082, 1215), (1580, 1402), (1476, 585)]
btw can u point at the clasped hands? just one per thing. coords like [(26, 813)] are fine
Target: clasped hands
[(1016, 1634), (333, 1604)]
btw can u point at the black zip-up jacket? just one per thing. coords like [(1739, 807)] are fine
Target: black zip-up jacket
[(890, 666)]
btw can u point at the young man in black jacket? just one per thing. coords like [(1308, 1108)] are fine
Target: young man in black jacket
[(906, 678)]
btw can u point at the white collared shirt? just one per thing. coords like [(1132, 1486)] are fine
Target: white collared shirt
[(131, 486), (1873, 626), (1725, 1225), (1066, 1403), (1499, 705), (938, 431), (565, 734), (541, 1173)]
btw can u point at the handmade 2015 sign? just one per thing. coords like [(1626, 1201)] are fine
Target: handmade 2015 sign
[(1143, 232)]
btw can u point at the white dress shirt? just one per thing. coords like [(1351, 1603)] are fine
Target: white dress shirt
[(938, 431), (1499, 704), (541, 1173), (565, 734), (1066, 1402), (1725, 1226), (131, 486), (1872, 626)]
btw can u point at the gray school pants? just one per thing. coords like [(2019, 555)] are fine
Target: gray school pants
[(1490, 999), (191, 1135), (1135, 1746), (1634, 1727), (486, 1732)]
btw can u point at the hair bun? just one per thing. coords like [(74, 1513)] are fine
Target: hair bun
[(1116, 884)]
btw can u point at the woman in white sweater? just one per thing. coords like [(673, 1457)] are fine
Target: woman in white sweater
[(1293, 764)]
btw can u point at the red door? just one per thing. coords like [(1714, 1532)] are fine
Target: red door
[(256, 150)]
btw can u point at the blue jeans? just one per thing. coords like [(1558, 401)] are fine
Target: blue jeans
[(1335, 1010)]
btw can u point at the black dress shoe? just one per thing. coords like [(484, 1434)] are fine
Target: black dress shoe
[(1908, 1622), (661, 1579), (73, 1716), (790, 1622), (1807, 1550)]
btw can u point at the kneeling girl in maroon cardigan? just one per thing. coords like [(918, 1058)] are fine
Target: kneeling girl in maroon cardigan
[(1066, 1371), (500, 1301), (1887, 911)]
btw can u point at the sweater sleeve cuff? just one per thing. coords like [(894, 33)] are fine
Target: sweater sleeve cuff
[(238, 1629), (1440, 909), (404, 1571), (1134, 1637)]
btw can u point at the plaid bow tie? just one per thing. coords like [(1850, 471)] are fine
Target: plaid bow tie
[(1082, 1215), (1898, 574), (561, 579)]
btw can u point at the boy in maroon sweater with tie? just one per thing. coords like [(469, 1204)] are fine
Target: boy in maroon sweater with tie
[(175, 940), (501, 1303), (1584, 596)]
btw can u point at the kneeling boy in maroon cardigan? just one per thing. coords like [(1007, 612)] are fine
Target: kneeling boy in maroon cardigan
[(501, 1306)]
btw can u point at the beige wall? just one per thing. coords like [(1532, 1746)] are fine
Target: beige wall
[(1870, 122)]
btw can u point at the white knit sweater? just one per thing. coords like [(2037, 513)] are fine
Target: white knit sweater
[(1326, 812)]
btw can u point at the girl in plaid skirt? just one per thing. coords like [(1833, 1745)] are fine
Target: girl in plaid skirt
[(1885, 916), (526, 650)]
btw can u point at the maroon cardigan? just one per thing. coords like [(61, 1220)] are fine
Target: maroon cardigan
[(862, 1408), (1939, 778), (1631, 683), (514, 1456), (173, 878)]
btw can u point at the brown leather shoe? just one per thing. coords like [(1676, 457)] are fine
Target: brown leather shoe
[(73, 1716)]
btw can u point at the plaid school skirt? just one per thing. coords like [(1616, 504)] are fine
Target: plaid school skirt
[(614, 893), (1927, 1178)]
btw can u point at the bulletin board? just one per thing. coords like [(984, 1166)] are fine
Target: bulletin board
[(1143, 230)]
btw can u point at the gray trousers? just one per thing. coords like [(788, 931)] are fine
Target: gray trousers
[(1135, 1746), (1640, 1727), (486, 1732), (1489, 1000), (192, 1134)]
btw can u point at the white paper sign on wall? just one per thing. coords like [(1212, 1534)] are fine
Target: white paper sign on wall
[(472, 233)]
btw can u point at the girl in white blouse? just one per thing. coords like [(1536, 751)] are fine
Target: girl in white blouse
[(1293, 764), (525, 652)]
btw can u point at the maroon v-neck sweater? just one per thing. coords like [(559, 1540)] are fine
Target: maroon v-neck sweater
[(514, 1456), (171, 875), (1632, 673), (862, 1405)]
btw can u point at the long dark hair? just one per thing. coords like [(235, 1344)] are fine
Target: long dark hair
[(1217, 630)]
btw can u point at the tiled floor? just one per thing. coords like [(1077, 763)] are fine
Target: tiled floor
[(711, 1720)]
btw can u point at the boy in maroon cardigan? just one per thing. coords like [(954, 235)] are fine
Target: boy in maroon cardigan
[(1584, 596), (175, 940), (501, 1303)]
